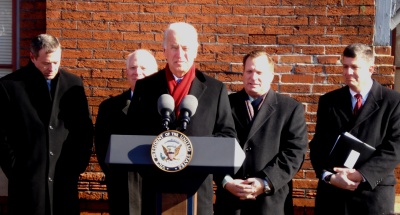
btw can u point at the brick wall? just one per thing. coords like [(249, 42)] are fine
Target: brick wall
[(305, 37), (32, 22)]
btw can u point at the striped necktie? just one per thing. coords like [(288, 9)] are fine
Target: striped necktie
[(358, 104)]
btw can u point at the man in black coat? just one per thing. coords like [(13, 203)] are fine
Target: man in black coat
[(46, 133), (368, 189), (112, 119), (212, 117), (271, 129)]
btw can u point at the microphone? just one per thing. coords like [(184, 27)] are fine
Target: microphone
[(166, 106), (187, 109)]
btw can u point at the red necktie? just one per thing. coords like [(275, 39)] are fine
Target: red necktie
[(358, 104)]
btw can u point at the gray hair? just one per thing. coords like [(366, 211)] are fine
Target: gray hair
[(181, 28), (44, 41), (146, 54)]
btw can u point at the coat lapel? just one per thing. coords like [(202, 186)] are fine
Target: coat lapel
[(342, 108), (61, 87), (371, 104), (162, 79), (239, 111), (266, 111), (198, 88), (38, 93), (126, 97)]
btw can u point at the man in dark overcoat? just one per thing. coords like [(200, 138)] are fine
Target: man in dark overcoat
[(46, 133), (271, 129), (112, 119), (213, 117), (368, 188)]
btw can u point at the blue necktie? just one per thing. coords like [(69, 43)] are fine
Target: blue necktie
[(49, 85), (255, 103)]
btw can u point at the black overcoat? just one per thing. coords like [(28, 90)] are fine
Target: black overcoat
[(212, 118), (274, 143), (112, 119), (45, 141), (378, 124)]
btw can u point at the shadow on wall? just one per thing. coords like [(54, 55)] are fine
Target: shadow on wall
[(3, 184)]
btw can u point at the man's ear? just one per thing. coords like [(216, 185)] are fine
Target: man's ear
[(271, 77), (31, 56), (372, 69)]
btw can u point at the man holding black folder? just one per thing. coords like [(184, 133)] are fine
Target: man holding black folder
[(371, 113)]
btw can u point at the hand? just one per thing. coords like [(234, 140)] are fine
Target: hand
[(346, 178), (258, 185), (352, 174), (355, 176), (246, 189)]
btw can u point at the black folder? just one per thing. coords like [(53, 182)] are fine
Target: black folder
[(349, 152)]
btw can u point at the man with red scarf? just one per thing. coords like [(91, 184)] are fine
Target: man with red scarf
[(212, 118)]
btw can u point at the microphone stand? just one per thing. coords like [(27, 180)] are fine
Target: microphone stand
[(184, 119)]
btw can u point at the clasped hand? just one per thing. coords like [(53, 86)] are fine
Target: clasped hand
[(346, 178), (246, 189)]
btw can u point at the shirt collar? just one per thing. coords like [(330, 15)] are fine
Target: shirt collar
[(176, 78), (252, 99), (364, 92)]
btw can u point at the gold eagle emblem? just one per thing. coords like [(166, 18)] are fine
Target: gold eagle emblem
[(171, 152)]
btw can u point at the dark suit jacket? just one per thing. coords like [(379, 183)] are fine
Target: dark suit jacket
[(212, 118), (275, 144), (111, 119), (378, 124), (45, 141)]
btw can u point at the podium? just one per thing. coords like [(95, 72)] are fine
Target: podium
[(211, 155)]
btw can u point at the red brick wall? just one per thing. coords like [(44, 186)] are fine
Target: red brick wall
[(32, 22), (305, 37)]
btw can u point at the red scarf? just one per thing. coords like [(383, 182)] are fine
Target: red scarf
[(179, 91)]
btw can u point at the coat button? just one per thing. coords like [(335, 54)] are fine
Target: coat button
[(51, 153), (248, 149), (51, 127)]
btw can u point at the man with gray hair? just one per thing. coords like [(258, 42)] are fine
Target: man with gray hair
[(371, 113), (46, 133), (112, 119), (213, 117)]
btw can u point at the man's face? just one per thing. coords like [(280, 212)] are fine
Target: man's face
[(180, 53), (356, 72), (138, 68), (257, 76), (47, 63)]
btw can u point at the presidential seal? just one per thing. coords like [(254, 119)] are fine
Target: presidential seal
[(171, 151)]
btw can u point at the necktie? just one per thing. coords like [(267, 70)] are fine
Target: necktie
[(178, 81), (255, 103), (358, 104), (49, 85)]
